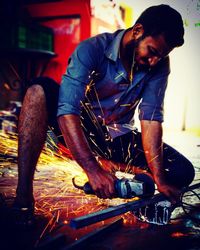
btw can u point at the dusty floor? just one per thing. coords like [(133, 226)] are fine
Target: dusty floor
[(57, 201)]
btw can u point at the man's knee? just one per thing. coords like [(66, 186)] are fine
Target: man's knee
[(186, 172), (189, 173), (44, 90), (35, 90), (182, 173), (35, 95)]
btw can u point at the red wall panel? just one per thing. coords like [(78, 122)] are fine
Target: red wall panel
[(71, 23)]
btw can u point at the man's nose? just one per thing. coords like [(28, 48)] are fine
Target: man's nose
[(153, 60)]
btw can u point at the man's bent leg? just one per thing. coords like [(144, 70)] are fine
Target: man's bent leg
[(179, 170), (32, 134)]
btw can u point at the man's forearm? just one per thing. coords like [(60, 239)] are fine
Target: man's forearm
[(101, 181), (74, 137), (153, 147)]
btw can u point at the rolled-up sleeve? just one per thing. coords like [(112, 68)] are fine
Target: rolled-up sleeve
[(151, 106), (74, 82)]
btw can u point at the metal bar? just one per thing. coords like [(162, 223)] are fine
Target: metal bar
[(113, 211), (79, 244)]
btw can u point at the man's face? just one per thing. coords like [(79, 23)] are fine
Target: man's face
[(150, 50)]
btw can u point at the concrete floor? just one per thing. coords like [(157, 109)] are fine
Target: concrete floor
[(57, 201)]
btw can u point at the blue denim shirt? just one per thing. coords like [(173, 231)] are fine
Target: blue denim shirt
[(115, 98)]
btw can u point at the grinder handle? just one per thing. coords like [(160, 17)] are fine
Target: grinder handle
[(87, 188)]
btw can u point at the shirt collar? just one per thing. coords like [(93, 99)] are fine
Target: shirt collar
[(112, 52)]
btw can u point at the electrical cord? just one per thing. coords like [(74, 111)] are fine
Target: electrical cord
[(190, 202)]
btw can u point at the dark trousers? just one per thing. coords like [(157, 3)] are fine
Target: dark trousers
[(126, 149)]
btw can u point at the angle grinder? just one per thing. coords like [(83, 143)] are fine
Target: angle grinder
[(141, 185)]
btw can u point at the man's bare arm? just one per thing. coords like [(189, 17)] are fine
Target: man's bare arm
[(102, 182), (153, 147)]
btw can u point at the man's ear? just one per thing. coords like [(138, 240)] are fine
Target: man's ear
[(137, 31)]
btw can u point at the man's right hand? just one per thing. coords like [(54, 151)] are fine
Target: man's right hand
[(102, 183)]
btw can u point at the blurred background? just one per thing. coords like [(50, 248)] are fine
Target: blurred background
[(38, 36)]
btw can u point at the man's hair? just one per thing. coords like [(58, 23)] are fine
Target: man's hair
[(162, 19)]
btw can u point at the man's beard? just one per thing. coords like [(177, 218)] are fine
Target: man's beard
[(132, 49), (140, 66)]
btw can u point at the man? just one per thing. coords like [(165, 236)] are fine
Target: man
[(107, 77)]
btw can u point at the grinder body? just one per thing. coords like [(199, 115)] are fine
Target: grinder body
[(141, 185)]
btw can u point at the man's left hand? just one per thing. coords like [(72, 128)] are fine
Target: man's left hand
[(172, 192)]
